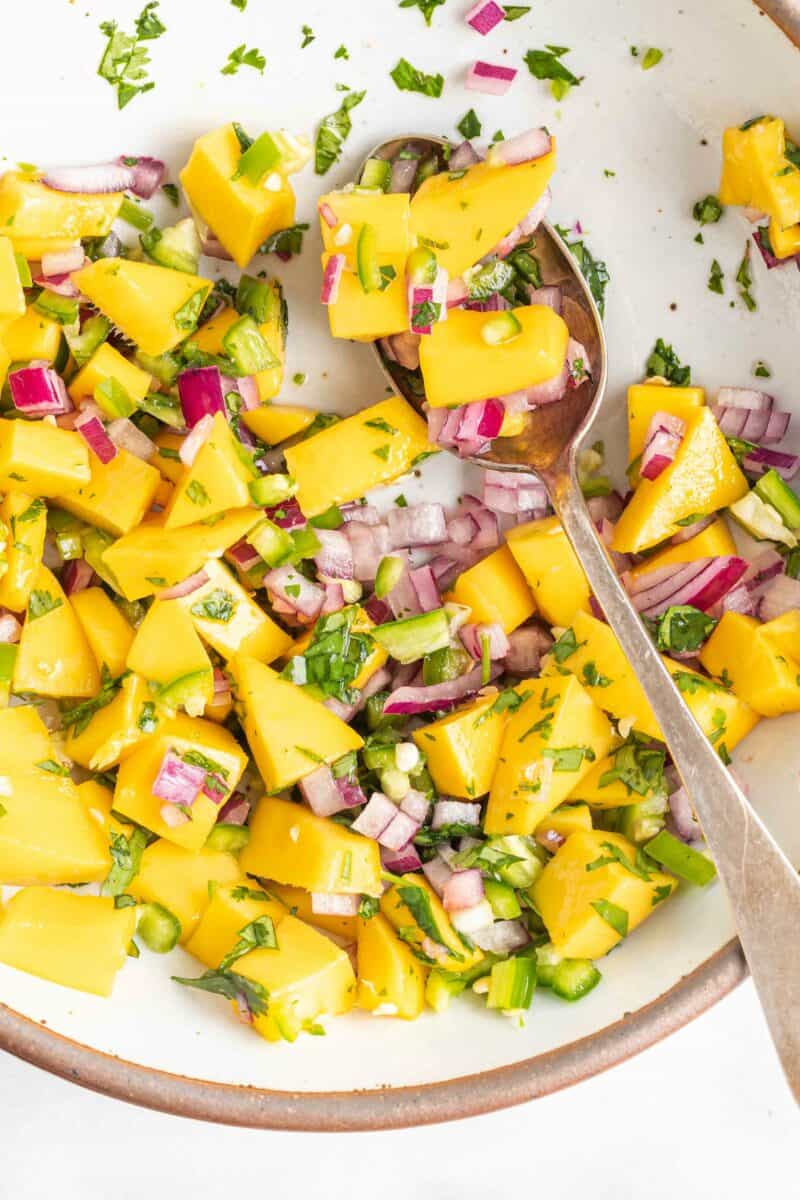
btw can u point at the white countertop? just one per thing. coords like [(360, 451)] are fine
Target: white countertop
[(704, 1114)]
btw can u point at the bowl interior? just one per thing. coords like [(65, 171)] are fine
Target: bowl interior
[(637, 149)]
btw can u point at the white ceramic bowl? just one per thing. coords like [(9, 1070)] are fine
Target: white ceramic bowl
[(658, 132)]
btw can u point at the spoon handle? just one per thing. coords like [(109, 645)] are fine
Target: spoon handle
[(762, 886)]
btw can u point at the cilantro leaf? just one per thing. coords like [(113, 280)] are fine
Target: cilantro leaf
[(410, 79), (125, 61), (547, 65), (594, 270), (469, 126), (426, 7), (683, 627), (242, 57), (232, 987), (218, 605), (333, 132), (256, 935), (613, 915), (664, 361)]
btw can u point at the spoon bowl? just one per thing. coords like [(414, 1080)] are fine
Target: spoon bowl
[(762, 885)]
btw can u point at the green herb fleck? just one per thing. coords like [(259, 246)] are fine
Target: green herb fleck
[(333, 132), (242, 57), (125, 60), (409, 79)]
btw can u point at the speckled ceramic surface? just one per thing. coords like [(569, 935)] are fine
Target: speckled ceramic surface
[(637, 149)]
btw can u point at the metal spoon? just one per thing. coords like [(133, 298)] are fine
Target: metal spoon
[(762, 885)]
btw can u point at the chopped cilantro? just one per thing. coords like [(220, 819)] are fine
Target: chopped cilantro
[(426, 7), (308, 36), (683, 628), (566, 646), (286, 242), (652, 58), (197, 493), (613, 915), (218, 605), (170, 190), (593, 678), (513, 12), (716, 278), (638, 766), (664, 361), (594, 270), (41, 602), (761, 370), (547, 64), (258, 934), (242, 57), (333, 132), (125, 60), (232, 987), (707, 211), (744, 277), (469, 126), (569, 758), (409, 79), (342, 52)]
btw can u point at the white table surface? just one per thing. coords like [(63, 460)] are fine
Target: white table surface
[(704, 1114)]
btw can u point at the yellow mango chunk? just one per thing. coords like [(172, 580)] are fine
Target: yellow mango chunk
[(391, 981), (169, 464), (316, 463), (756, 172), (305, 978), (388, 214), (241, 214), (298, 903), (785, 242), (413, 896), (495, 590), (458, 366), (466, 217), (291, 844), (26, 518), (722, 716), (553, 573), (565, 894), (647, 399), (279, 720), (274, 423), (12, 297), (117, 495), (712, 542), (566, 820), (54, 657), (557, 723), (29, 210), (41, 459), (46, 835), (167, 650), (365, 316), (740, 650), (216, 482), (114, 730), (613, 793), (150, 558), (97, 802), (133, 795), (24, 738), (179, 879), (32, 337), (704, 477), (153, 306), (229, 620), (78, 941), (462, 748), (784, 633), (233, 904), (107, 632), (107, 363)]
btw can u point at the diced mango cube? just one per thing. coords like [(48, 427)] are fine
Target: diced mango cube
[(740, 650), (107, 363), (41, 459), (216, 482), (181, 880), (26, 518), (231, 905), (410, 904), (230, 620), (647, 399), (388, 214), (30, 210), (32, 337), (107, 632), (117, 495), (54, 657), (495, 590), (391, 981), (46, 834), (365, 316), (113, 730), (462, 748), (274, 423), (554, 575)]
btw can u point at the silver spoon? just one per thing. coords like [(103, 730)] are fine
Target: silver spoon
[(762, 885)]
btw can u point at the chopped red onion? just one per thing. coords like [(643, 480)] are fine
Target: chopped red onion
[(126, 436), (700, 584), (577, 363), (403, 598), (350, 791), (93, 432), (334, 598), (484, 16), (328, 215), (682, 820), (473, 637), (780, 596), (399, 832), (38, 391), (488, 535), (739, 599), (418, 525), (462, 530), (200, 391), (608, 508), (332, 278), (432, 296), (501, 937), (369, 544), (76, 577), (524, 148), (10, 628), (287, 515), (426, 589), (96, 180), (194, 441), (335, 904), (768, 564), (404, 172), (377, 610), (148, 174), (368, 514), (212, 247), (185, 587), (334, 558), (345, 712), (243, 555), (749, 398), (664, 435), (526, 647), (63, 262), (457, 292), (222, 685), (60, 285), (178, 782), (464, 156), (455, 812), (464, 889), (757, 461), (769, 258), (376, 816), (548, 297), (438, 697), (513, 491), (320, 792), (293, 589), (415, 805), (490, 79), (235, 811), (526, 228), (437, 874), (402, 861)]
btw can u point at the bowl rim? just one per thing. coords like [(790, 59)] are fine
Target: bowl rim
[(381, 1108)]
